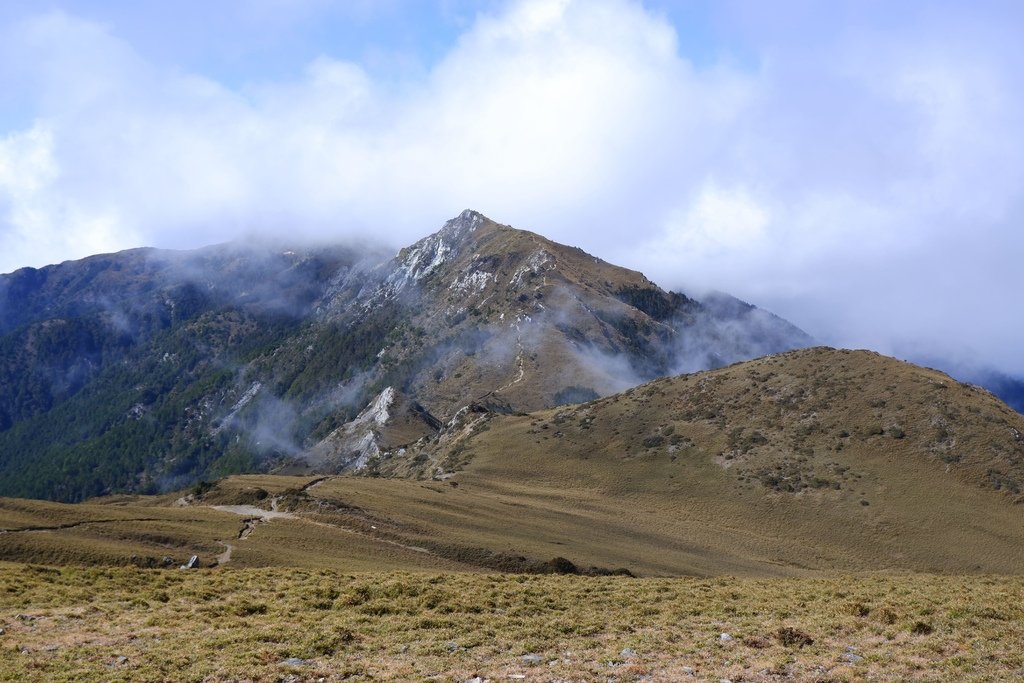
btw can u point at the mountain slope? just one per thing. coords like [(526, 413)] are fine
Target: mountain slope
[(508, 319), (110, 366), (147, 370)]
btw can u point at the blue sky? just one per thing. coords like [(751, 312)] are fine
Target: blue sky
[(242, 41), (856, 167)]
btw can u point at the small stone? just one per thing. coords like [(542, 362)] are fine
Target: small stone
[(452, 646), (628, 653), (294, 661), (478, 679), (2, 631), (851, 658), (689, 671), (531, 659), (120, 660), (724, 638)]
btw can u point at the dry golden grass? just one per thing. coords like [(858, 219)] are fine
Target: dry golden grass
[(771, 466), (56, 533), (126, 624)]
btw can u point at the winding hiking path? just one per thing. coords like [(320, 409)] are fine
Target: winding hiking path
[(253, 516), (225, 556), (86, 522)]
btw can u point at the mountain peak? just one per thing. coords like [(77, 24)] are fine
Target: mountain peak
[(467, 221)]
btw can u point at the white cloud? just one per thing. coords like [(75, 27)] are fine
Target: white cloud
[(855, 183), (27, 171), (531, 116), (718, 220)]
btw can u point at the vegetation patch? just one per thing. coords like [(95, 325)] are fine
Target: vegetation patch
[(124, 624), (575, 394)]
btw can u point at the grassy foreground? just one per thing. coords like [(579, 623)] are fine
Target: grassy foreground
[(128, 624)]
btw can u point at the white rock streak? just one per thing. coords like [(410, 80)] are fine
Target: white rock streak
[(538, 261), (470, 282), (360, 431)]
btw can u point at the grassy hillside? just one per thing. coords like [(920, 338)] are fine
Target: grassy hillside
[(94, 624), (816, 459), (800, 464), (143, 531)]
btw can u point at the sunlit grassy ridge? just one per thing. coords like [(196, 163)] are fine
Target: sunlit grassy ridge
[(125, 624), (811, 460)]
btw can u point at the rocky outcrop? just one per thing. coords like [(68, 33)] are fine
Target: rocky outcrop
[(389, 422)]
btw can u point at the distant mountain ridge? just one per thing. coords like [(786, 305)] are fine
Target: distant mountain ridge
[(148, 370)]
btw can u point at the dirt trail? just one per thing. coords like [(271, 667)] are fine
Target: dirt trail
[(521, 363), (247, 528), (256, 516), (356, 532), (72, 525), (225, 556), (253, 511), (253, 517)]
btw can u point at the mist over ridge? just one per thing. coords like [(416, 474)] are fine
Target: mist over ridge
[(855, 171)]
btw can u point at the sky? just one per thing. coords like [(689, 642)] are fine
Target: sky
[(855, 167)]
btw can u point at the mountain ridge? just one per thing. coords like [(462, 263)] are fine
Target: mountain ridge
[(150, 370)]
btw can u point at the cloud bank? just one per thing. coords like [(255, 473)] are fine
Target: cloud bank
[(858, 172)]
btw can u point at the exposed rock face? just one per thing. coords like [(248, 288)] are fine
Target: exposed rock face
[(390, 421)]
